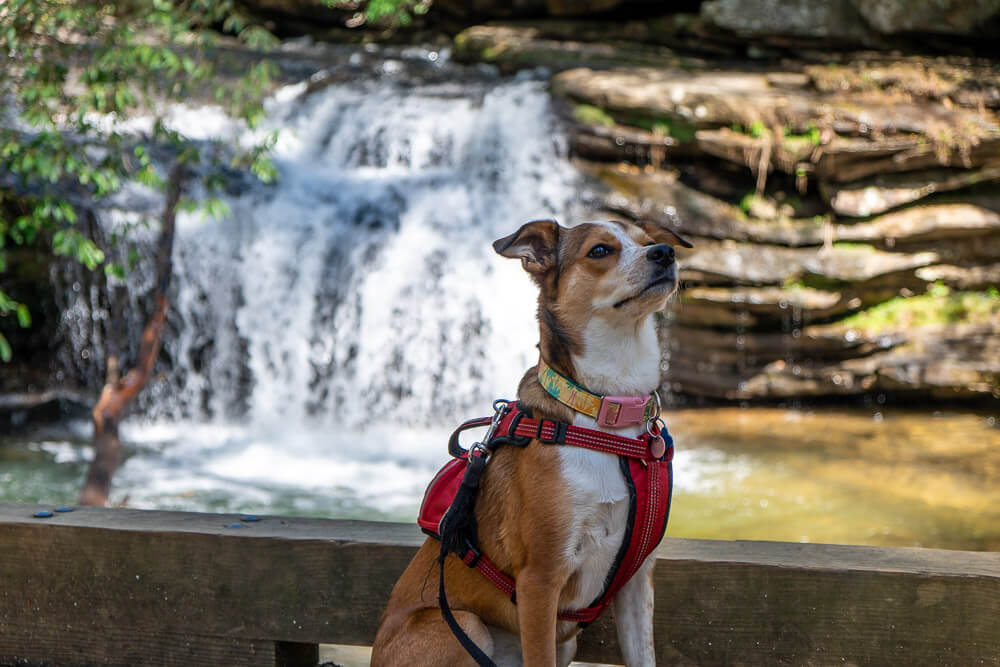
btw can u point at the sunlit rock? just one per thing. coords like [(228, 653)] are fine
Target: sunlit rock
[(889, 191)]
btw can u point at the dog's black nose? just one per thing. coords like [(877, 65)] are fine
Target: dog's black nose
[(661, 254)]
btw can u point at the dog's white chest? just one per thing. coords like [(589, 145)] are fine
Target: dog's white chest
[(600, 503)]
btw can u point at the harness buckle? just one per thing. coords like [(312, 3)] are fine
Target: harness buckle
[(480, 450), (623, 410), (474, 560), (511, 437), (559, 430)]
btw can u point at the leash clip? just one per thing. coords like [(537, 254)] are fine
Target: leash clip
[(500, 407), (481, 448), (659, 407)]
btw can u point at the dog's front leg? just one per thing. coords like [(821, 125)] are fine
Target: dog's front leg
[(537, 605), (633, 607)]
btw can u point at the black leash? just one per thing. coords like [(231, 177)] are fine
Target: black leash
[(458, 529), (470, 646)]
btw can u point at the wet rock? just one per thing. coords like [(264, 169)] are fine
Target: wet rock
[(758, 264), (962, 251), (931, 222), (759, 365), (963, 277), (793, 126), (753, 307), (951, 361), (704, 99), (21, 410), (882, 193), (679, 31), (513, 47), (967, 82), (847, 22), (826, 343), (494, 9), (840, 159), (776, 308), (661, 197), (959, 361), (779, 121), (836, 20), (927, 16), (580, 7), (617, 143), (852, 158), (759, 153)]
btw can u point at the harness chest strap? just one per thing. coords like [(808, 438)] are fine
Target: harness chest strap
[(649, 479), (517, 428)]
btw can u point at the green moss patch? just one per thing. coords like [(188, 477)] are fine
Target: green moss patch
[(661, 125), (817, 282), (938, 306), (791, 139), (588, 114)]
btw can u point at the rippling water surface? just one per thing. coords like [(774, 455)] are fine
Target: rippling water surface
[(896, 477)]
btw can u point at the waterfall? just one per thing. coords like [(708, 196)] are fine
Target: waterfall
[(360, 295)]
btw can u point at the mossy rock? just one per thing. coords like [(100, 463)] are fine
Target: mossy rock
[(939, 306)]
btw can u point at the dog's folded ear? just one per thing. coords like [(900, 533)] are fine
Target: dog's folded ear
[(663, 234), (534, 244)]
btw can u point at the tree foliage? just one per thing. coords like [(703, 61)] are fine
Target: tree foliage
[(72, 72), (387, 12)]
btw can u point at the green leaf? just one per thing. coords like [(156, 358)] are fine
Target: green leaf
[(23, 316), (123, 60), (114, 270), (5, 352)]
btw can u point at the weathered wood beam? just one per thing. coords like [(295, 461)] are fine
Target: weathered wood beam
[(115, 586)]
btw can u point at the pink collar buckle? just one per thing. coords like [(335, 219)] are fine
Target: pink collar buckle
[(617, 411)]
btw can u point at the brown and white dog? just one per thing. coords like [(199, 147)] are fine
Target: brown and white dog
[(553, 517)]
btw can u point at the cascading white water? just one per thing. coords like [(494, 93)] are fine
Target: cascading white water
[(364, 287), (336, 326)]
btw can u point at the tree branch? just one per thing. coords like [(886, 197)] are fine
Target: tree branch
[(118, 393)]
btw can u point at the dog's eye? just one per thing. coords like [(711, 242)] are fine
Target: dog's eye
[(599, 251)]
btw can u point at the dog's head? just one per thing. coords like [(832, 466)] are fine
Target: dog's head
[(606, 269), (614, 271)]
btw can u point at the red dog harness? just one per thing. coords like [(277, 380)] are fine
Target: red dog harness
[(645, 464)]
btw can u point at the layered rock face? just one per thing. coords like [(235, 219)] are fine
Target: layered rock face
[(845, 214), (844, 199)]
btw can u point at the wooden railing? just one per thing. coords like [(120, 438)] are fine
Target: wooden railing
[(132, 587)]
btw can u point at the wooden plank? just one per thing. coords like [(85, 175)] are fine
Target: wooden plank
[(94, 571), (125, 646), (282, 579)]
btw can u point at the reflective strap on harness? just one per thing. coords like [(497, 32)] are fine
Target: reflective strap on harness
[(473, 558), (517, 427), (553, 432), (478, 561)]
